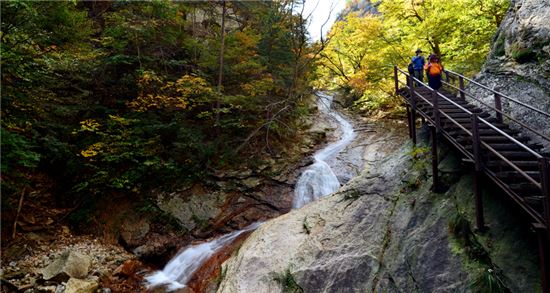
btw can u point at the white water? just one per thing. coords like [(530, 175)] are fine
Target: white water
[(318, 179), (180, 269)]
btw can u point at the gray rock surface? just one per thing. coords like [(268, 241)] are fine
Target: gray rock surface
[(376, 236), (68, 264), (367, 237), (519, 63)]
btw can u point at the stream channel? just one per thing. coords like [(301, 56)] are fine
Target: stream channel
[(317, 180)]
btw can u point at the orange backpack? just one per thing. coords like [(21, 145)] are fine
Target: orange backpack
[(434, 69)]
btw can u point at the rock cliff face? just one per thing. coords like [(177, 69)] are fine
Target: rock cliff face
[(385, 231), (519, 62)]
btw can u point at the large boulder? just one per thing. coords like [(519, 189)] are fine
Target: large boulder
[(372, 236), (367, 237), (70, 264), (81, 286)]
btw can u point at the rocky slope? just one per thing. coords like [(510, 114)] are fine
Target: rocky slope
[(385, 231), (519, 62)]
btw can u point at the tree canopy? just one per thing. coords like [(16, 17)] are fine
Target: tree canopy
[(119, 97), (365, 46)]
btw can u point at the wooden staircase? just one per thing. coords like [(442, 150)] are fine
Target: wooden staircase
[(507, 156)]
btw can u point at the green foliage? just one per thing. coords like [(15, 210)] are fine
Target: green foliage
[(488, 281), (363, 48), (120, 97), (521, 54), (287, 282), (486, 277), (421, 157)]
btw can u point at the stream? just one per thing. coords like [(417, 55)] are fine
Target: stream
[(316, 181)]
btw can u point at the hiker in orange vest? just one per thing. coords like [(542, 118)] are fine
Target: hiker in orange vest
[(434, 70)]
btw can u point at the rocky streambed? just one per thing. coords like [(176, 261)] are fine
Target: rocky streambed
[(227, 202)]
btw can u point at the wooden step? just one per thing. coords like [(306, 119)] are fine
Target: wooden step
[(516, 176), (510, 147), (468, 120), (523, 165), (513, 155), (493, 139), (455, 131), (525, 189), (456, 115)]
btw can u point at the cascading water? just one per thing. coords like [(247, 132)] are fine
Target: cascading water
[(318, 179), (180, 269)]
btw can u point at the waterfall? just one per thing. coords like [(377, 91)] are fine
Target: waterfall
[(180, 269), (318, 179)]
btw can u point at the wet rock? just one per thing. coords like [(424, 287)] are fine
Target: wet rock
[(251, 182), (128, 268), (157, 250), (133, 231), (46, 289), (68, 264), (80, 286), (60, 289), (363, 238), (192, 211)]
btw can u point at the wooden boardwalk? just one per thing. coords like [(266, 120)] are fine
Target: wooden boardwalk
[(499, 153)]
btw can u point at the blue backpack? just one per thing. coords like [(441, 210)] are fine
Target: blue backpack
[(418, 62)]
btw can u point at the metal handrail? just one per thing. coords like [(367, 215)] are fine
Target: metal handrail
[(515, 167), (501, 112), (500, 94)]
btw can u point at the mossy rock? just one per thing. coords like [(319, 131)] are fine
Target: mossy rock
[(522, 54)]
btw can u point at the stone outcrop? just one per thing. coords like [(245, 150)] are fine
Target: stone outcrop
[(69, 264), (381, 233), (519, 63)]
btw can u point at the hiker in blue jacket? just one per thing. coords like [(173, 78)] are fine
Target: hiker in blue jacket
[(418, 62)]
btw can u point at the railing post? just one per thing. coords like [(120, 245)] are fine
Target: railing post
[(409, 121), (413, 112), (447, 77), (436, 115), (498, 106), (461, 87), (545, 189), (435, 173), (396, 78), (476, 146), (544, 255)]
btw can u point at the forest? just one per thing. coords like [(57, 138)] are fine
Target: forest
[(119, 97), (105, 103)]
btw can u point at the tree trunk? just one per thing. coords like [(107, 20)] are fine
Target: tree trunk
[(220, 73)]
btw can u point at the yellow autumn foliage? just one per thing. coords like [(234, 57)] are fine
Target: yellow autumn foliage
[(156, 93)]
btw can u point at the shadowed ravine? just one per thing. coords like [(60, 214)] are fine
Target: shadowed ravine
[(316, 181)]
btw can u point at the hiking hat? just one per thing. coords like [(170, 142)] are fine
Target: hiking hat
[(418, 51)]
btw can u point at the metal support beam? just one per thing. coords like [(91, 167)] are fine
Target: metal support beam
[(498, 106), (413, 125), (436, 114), (544, 167), (461, 87), (476, 144), (409, 124), (544, 257), (396, 79), (435, 173)]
